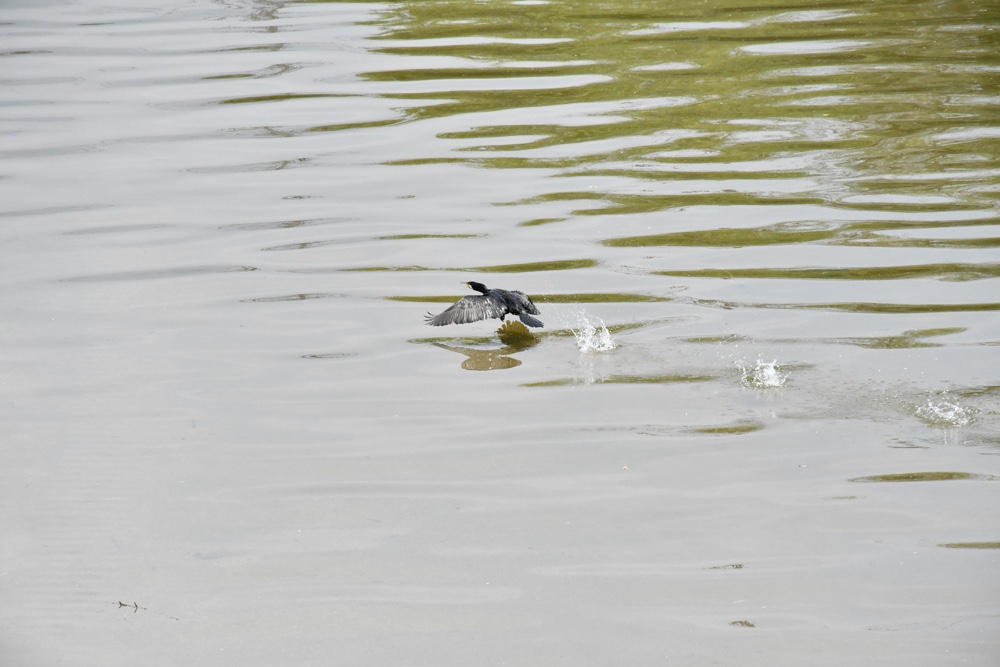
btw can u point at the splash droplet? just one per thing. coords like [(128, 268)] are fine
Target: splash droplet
[(944, 413), (592, 335), (762, 375)]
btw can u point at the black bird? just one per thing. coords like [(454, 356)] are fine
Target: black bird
[(486, 305)]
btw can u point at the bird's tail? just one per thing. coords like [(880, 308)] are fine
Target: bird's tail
[(530, 321)]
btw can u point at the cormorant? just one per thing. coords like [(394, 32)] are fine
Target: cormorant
[(486, 305)]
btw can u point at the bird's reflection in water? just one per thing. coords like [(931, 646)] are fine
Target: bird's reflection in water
[(484, 360), (515, 337)]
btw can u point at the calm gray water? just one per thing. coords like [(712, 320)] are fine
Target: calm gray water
[(759, 427)]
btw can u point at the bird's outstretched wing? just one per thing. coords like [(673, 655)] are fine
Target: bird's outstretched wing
[(468, 309)]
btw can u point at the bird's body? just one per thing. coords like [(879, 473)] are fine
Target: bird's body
[(487, 305)]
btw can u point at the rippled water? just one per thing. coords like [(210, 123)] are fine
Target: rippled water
[(760, 425)]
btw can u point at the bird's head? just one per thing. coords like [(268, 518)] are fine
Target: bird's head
[(479, 287)]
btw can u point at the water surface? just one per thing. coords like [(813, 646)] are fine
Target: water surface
[(760, 425)]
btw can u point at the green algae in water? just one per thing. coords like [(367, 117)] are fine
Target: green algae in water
[(531, 267), (952, 272), (537, 222), (723, 238), (563, 265), (600, 297), (906, 340), (733, 429), (925, 477), (971, 545), (277, 98)]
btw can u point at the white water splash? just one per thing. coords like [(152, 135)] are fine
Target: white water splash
[(762, 375), (944, 413), (592, 335)]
